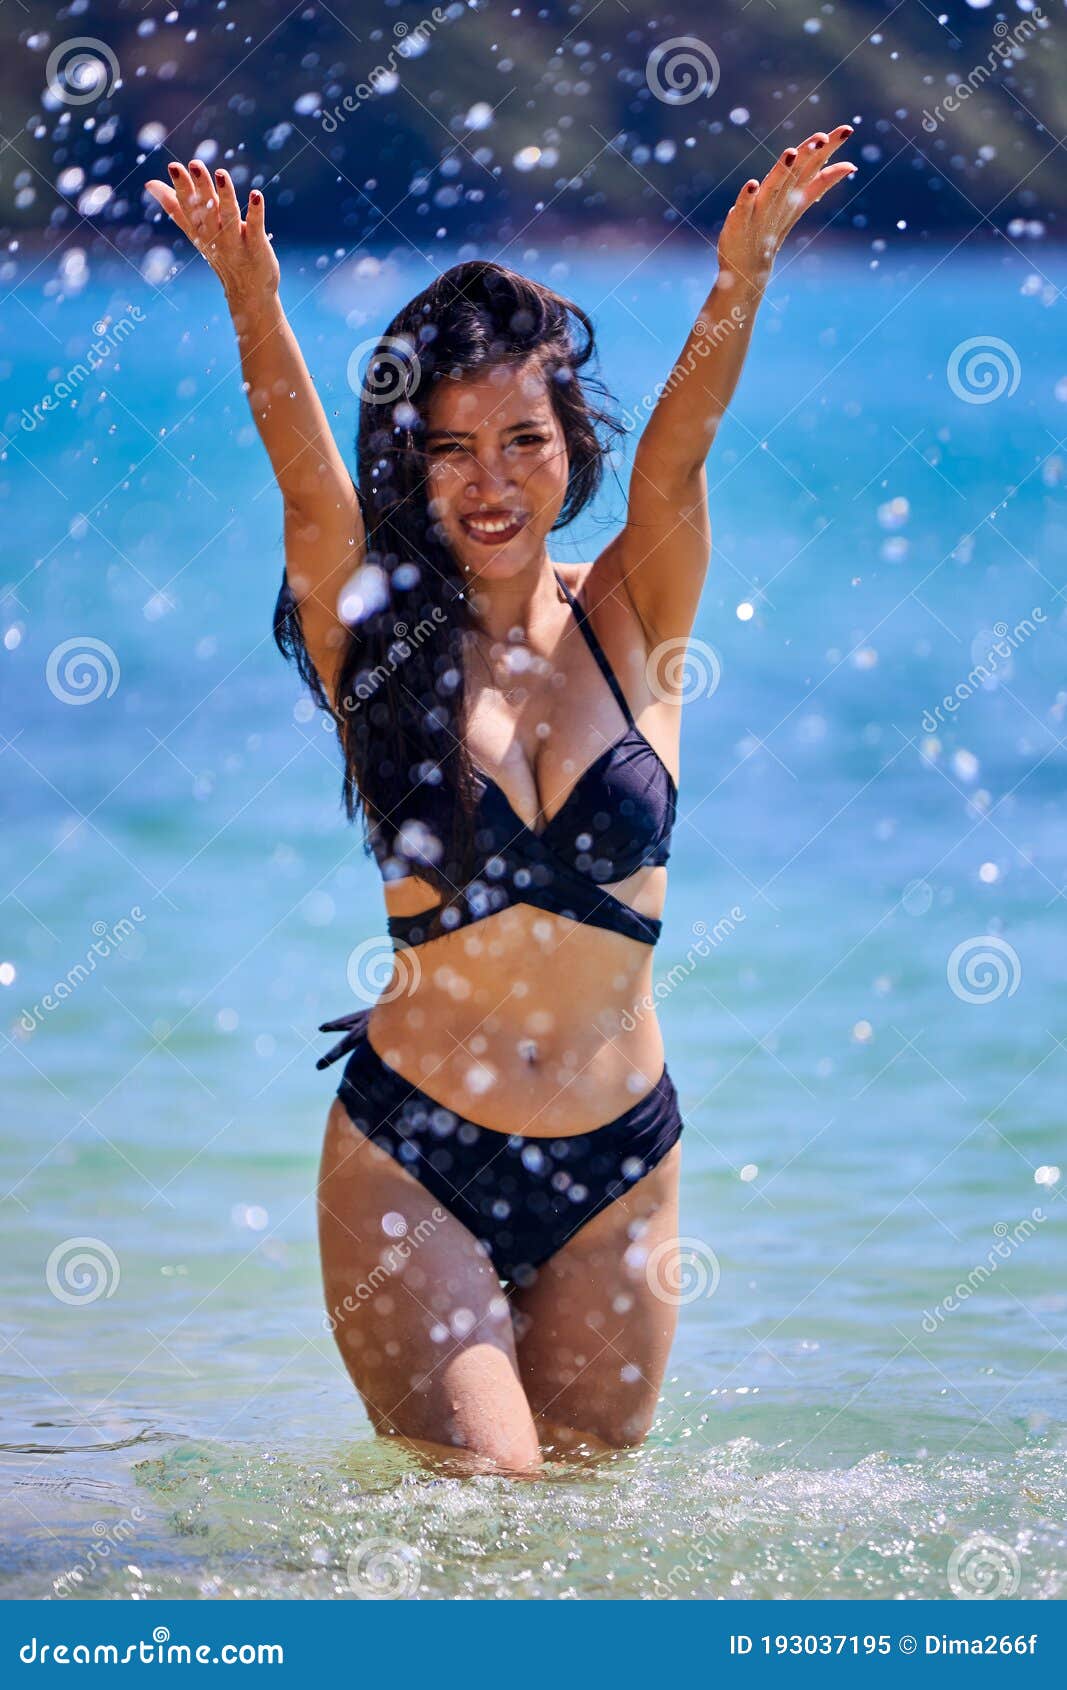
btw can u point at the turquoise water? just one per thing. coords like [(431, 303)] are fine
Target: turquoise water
[(862, 1138)]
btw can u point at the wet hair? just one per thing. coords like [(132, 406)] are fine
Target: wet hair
[(400, 708)]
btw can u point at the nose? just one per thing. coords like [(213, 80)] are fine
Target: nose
[(489, 480)]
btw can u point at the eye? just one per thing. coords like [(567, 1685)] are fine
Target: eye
[(529, 440)]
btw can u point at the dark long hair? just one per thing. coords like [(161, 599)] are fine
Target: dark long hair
[(400, 709)]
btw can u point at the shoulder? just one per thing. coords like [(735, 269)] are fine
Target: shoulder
[(600, 589), (603, 593)]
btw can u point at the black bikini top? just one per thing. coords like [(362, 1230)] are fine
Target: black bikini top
[(616, 819)]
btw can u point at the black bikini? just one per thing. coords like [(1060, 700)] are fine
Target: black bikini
[(523, 1197), (616, 819)]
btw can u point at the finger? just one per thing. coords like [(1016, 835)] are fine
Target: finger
[(182, 184), (255, 221), (733, 215), (748, 196), (740, 216), (164, 196), (781, 179), (823, 182), (735, 218), (836, 138), (199, 221), (829, 178), (812, 155), (822, 147), (191, 201), (229, 210), (205, 204), (170, 203)]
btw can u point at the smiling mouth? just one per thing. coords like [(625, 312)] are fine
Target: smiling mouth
[(493, 529)]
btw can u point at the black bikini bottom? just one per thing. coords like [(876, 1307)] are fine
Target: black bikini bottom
[(523, 1198)]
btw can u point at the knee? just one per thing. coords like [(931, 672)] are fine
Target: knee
[(472, 1408), (514, 1457), (467, 1449)]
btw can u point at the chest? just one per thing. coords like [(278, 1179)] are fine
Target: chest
[(537, 723)]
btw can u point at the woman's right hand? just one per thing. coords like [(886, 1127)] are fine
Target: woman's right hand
[(206, 210)]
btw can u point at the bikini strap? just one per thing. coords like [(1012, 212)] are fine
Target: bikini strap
[(581, 616)]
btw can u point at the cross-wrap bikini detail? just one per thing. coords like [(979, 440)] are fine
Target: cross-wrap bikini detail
[(616, 819)]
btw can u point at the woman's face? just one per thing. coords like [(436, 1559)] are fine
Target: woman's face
[(497, 468)]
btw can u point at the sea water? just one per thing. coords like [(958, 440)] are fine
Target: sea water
[(860, 979)]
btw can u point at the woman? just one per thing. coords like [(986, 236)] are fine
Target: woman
[(499, 1180)]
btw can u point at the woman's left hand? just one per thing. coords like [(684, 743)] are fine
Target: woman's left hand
[(764, 212)]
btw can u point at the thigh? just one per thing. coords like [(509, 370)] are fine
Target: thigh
[(416, 1307), (595, 1329)]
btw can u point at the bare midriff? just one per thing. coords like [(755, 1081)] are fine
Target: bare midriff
[(526, 1022)]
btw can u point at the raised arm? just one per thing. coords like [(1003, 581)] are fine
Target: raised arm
[(323, 529), (662, 555)]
